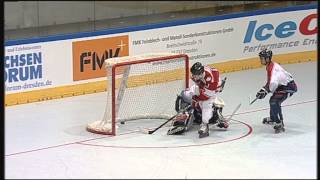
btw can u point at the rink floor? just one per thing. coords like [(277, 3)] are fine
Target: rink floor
[(48, 139)]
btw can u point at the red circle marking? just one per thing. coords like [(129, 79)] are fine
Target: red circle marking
[(193, 145)]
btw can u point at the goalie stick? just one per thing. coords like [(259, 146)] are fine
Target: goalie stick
[(154, 130)]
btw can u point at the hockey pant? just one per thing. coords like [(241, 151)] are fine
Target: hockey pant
[(280, 95)]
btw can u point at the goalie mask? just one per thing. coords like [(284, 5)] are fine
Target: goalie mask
[(265, 56)]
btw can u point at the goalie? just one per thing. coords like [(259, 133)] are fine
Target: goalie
[(205, 107)]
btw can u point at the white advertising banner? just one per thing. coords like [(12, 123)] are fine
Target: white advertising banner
[(40, 65), (237, 38)]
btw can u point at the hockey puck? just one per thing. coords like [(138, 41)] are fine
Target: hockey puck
[(122, 122)]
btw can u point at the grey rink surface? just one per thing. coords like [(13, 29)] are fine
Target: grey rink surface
[(48, 139)]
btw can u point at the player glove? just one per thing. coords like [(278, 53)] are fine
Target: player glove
[(262, 93)]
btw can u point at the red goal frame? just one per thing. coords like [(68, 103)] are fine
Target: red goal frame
[(113, 83)]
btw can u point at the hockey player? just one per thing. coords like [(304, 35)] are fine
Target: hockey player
[(202, 95), (188, 116), (281, 84)]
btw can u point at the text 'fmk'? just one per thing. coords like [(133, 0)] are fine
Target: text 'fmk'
[(93, 59)]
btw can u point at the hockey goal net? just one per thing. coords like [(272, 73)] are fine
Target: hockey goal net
[(141, 87)]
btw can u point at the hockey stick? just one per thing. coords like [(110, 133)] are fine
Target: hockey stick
[(253, 101), (234, 112), (222, 84), (154, 130), (277, 92)]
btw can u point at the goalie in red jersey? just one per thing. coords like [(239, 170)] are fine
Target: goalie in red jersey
[(202, 95)]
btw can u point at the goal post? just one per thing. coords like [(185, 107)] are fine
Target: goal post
[(141, 87)]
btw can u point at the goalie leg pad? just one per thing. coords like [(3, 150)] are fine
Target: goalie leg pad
[(176, 130), (217, 117), (197, 117), (179, 124)]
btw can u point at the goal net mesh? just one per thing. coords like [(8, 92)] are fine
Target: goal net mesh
[(141, 87)]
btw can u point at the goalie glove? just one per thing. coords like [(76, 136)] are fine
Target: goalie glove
[(262, 93)]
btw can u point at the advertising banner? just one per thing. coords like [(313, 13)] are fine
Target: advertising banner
[(55, 63)]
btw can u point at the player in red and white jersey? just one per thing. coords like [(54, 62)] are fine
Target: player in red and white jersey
[(281, 84), (203, 93)]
